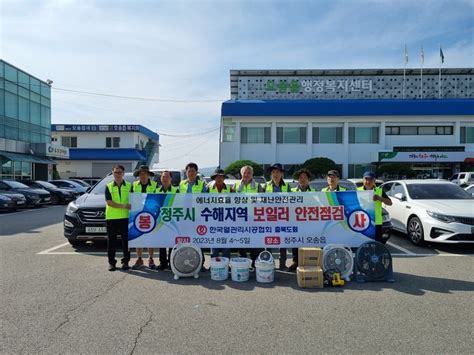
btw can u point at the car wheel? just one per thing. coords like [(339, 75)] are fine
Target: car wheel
[(415, 231), (77, 243), (54, 200)]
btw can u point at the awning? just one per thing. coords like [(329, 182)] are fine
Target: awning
[(27, 158)]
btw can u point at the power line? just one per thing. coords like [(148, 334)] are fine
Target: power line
[(189, 134), (136, 97)]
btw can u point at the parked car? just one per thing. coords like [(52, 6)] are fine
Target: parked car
[(69, 185), (462, 178), (81, 182), (34, 197), (19, 199), (470, 189), (57, 195), (260, 179), (85, 218), (431, 210), (360, 182), (7, 203)]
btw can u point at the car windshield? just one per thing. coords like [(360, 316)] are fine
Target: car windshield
[(80, 182), (46, 184), (16, 184), (99, 188), (446, 191)]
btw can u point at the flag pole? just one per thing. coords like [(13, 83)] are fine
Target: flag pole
[(441, 61), (421, 72), (405, 60)]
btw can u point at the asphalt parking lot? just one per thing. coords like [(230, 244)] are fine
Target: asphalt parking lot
[(58, 299)]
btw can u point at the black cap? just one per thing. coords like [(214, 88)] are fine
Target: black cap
[(218, 172), (144, 168), (276, 166), (333, 172)]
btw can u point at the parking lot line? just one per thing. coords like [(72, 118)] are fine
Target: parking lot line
[(406, 251), (47, 251)]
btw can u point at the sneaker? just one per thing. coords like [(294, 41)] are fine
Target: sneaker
[(203, 269), (161, 267), (283, 267), (125, 266), (112, 267), (293, 267), (151, 264), (138, 264)]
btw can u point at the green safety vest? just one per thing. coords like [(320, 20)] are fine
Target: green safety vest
[(197, 187), (378, 204), (173, 190), (284, 188), (213, 189), (122, 198), (326, 189), (246, 188), (151, 188), (295, 189)]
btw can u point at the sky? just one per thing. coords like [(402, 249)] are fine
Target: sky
[(178, 54)]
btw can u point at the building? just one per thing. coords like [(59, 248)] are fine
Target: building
[(361, 119), (94, 149), (25, 125)]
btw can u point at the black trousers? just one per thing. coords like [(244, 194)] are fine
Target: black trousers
[(294, 251), (165, 256), (117, 227)]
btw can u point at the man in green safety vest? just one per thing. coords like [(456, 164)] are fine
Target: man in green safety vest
[(116, 216), (304, 177), (333, 182), (193, 185), (166, 188), (144, 185), (379, 197), (218, 186), (275, 185), (248, 185)]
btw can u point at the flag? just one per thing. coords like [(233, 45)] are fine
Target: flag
[(422, 55), (441, 55), (406, 54)]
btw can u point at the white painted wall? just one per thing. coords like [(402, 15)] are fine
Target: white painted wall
[(83, 168), (345, 153)]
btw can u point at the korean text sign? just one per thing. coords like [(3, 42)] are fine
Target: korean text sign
[(252, 220)]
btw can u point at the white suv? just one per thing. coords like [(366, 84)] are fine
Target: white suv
[(463, 178)]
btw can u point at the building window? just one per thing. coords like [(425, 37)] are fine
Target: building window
[(255, 135), (229, 133), (357, 170), (112, 142), (70, 142), (467, 134), (363, 135), (418, 130), (291, 135), (54, 139), (327, 135)]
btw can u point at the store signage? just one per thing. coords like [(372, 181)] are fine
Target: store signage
[(95, 128), (57, 151), (421, 157)]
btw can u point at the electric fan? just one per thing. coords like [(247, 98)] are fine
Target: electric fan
[(185, 260), (373, 262), (338, 258)]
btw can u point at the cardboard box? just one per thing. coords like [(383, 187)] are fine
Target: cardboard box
[(310, 277), (310, 257)]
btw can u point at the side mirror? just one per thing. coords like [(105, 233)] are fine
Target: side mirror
[(400, 196)]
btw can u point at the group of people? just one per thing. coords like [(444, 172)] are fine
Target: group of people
[(117, 205)]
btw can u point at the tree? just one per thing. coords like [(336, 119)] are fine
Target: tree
[(234, 168), (319, 166), (396, 170)]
